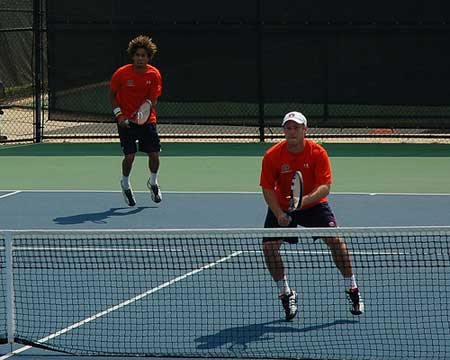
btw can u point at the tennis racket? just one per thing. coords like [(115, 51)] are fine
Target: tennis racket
[(141, 115), (295, 200)]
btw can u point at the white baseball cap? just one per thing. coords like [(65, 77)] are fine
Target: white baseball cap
[(296, 116)]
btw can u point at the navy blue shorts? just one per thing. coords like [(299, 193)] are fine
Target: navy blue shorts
[(320, 215), (145, 135)]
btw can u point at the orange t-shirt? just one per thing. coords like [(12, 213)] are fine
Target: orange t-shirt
[(133, 88), (279, 164)]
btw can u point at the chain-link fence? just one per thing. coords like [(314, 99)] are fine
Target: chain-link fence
[(17, 98), (230, 71)]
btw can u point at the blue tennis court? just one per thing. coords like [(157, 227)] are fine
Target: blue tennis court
[(106, 210), (173, 296)]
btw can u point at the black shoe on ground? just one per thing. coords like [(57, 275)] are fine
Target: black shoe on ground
[(128, 195), (155, 192), (289, 302), (354, 297)]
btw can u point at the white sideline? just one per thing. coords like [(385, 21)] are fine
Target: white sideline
[(10, 194), (219, 192)]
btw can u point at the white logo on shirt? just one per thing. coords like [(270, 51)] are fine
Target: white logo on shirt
[(285, 168)]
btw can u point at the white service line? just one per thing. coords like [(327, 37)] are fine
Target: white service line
[(258, 193), (121, 305), (183, 250), (10, 194)]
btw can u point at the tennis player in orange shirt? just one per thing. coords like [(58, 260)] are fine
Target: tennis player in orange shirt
[(131, 85), (296, 153)]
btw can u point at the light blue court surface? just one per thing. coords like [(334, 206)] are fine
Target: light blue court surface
[(323, 320), (106, 210)]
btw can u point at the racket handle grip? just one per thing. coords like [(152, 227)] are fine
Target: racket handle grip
[(288, 218)]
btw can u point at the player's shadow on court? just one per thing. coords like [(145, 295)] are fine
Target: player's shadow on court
[(99, 217), (239, 337)]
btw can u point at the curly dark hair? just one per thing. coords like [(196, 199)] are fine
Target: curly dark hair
[(143, 42)]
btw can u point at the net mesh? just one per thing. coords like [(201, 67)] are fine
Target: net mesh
[(3, 321), (207, 293)]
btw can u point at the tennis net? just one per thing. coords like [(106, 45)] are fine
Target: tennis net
[(208, 293)]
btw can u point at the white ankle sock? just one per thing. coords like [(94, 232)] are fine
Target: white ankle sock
[(350, 282), (153, 180), (283, 286), (126, 182)]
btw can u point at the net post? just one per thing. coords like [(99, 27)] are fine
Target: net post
[(10, 301)]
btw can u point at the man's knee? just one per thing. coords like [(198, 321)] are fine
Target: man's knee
[(153, 155), (129, 157), (334, 242), (270, 247)]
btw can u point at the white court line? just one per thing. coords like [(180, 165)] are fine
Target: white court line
[(355, 230), (121, 305), (10, 194), (345, 193), (149, 250), (219, 192), (135, 191)]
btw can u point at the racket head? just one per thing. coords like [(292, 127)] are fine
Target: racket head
[(142, 114), (295, 201)]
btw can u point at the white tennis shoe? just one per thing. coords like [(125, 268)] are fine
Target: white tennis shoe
[(128, 195), (289, 302), (155, 192), (354, 297)]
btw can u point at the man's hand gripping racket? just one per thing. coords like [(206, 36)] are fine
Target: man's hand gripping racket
[(141, 115), (295, 198)]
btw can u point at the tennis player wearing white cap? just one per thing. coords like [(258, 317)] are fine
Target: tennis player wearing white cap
[(296, 153)]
